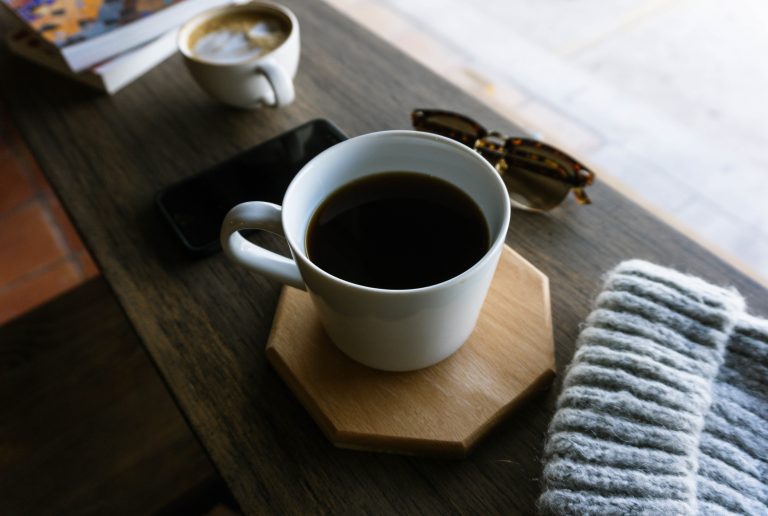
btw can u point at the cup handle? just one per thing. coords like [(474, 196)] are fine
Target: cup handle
[(258, 215), (281, 83)]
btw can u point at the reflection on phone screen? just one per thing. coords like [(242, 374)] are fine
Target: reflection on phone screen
[(197, 206)]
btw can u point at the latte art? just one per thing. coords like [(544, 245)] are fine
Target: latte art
[(237, 37)]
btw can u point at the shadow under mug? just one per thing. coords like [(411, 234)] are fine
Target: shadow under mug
[(265, 80), (394, 330)]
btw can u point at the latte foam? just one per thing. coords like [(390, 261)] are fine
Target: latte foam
[(236, 37)]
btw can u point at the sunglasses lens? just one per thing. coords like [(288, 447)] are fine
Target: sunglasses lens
[(446, 124), (540, 176), (534, 191)]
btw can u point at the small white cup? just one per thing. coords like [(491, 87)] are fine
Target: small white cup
[(261, 81), (394, 330)]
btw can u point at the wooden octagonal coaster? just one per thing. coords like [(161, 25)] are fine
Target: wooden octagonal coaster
[(440, 410)]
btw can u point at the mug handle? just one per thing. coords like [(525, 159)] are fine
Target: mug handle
[(281, 83), (258, 215)]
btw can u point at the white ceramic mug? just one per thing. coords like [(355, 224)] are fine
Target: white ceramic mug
[(395, 330), (261, 81)]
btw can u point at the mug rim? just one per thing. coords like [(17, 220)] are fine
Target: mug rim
[(498, 241), (184, 32)]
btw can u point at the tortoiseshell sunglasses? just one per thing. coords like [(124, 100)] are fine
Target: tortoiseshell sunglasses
[(538, 176)]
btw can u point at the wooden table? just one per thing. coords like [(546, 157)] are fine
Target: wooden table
[(205, 322)]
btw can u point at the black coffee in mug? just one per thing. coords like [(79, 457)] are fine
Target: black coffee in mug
[(397, 230)]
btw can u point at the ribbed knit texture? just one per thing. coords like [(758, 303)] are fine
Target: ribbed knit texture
[(664, 408)]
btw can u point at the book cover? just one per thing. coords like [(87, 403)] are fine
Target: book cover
[(68, 22), (87, 32)]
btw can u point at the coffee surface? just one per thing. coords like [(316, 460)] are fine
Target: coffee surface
[(237, 36), (397, 230)]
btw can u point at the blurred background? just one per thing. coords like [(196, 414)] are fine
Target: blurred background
[(666, 99)]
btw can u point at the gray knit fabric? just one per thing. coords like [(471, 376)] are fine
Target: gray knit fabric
[(664, 408)]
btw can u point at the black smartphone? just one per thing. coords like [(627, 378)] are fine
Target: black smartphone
[(195, 207)]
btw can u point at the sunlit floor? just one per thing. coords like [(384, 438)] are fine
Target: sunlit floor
[(664, 98)]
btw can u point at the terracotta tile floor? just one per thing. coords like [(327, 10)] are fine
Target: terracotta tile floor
[(41, 254)]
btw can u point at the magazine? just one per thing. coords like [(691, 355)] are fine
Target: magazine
[(88, 32)]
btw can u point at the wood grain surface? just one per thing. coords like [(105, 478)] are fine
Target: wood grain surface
[(439, 411), (205, 322)]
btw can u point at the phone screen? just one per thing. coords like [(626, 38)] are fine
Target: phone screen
[(196, 207)]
